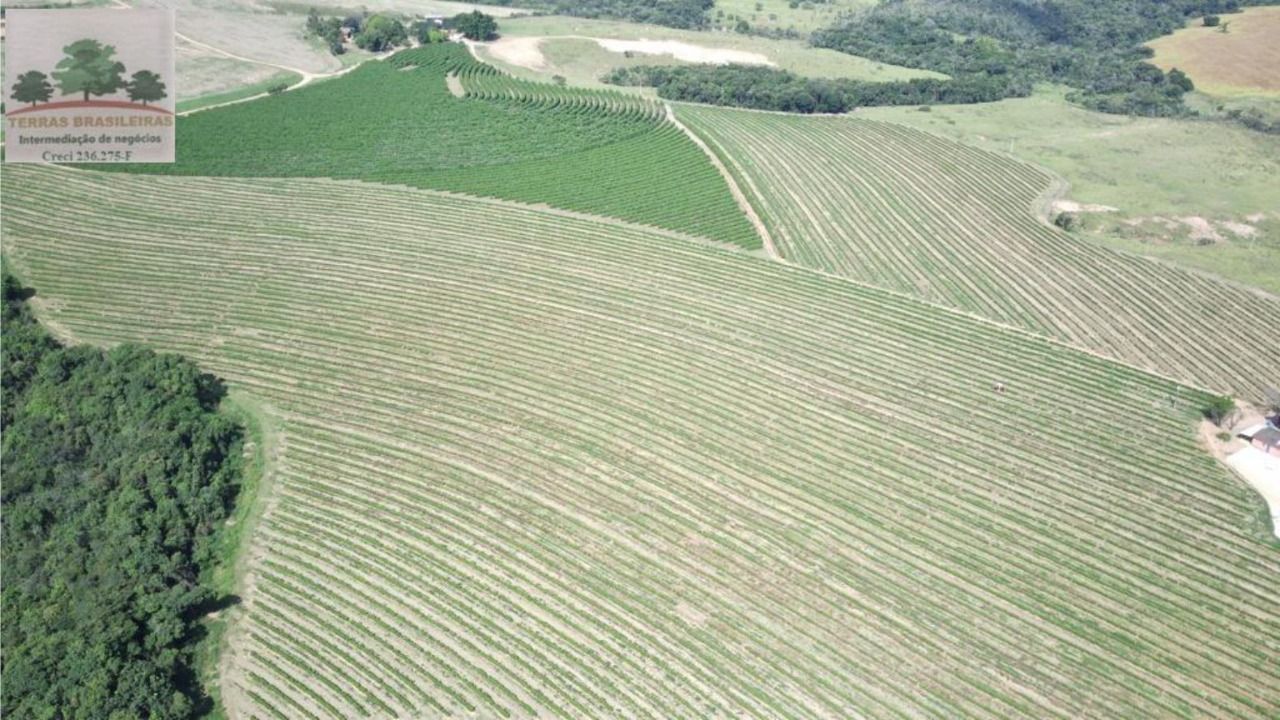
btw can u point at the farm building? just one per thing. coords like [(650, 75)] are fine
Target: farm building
[(1264, 436)]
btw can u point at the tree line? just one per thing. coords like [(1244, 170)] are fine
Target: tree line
[(381, 32), (765, 88), (118, 476), (1094, 47), (688, 14)]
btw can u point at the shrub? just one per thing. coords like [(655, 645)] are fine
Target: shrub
[(1219, 409)]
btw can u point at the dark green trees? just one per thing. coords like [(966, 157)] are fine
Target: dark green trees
[(1096, 48), (475, 25), (381, 32), (89, 68), (1219, 409), (329, 30), (145, 86), (427, 32), (118, 475), (32, 87)]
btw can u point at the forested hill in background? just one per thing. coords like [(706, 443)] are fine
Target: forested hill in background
[(690, 14), (1094, 46), (990, 49), (118, 475)]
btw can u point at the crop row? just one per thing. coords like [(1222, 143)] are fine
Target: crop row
[(483, 82), (396, 122), (543, 465), (919, 214)]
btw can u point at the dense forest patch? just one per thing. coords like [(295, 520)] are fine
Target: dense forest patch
[(1094, 47), (763, 88), (672, 13), (118, 474)]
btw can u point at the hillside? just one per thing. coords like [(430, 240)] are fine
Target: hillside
[(1239, 56), (539, 464), (397, 122), (953, 224), (1198, 193)]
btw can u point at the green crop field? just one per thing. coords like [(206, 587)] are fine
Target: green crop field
[(397, 122), (1159, 176), (530, 463), (920, 214)]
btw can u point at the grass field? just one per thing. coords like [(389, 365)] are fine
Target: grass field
[(1244, 60), (248, 29), (917, 213), (241, 92), (1148, 169), (778, 14), (397, 122), (203, 73), (537, 465), (583, 63)]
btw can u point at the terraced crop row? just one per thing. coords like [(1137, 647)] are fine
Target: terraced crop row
[(540, 465), (396, 122), (486, 83), (916, 213)]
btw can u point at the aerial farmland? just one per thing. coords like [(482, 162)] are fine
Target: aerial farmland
[(627, 360)]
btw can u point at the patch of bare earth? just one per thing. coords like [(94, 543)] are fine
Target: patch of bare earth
[(1074, 207), (522, 52), (1239, 229), (684, 51), (1201, 230), (455, 85), (1260, 470), (526, 52)]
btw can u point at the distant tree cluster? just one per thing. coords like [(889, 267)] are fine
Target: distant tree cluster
[(375, 33), (328, 30), (474, 25), (118, 474), (765, 88), (691, 14), (427, 32), (1096, 47), (381, 32)]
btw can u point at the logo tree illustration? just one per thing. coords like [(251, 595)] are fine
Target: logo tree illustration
[(32, 87), (145, 86), (89, 68)]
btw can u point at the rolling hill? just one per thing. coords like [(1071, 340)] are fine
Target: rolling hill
[(956, 225), (534, 463), (397, 122)]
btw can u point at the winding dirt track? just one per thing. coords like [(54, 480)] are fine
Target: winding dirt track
[(307, 77)]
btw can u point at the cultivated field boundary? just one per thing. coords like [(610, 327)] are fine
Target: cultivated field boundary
[(744, 203)]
